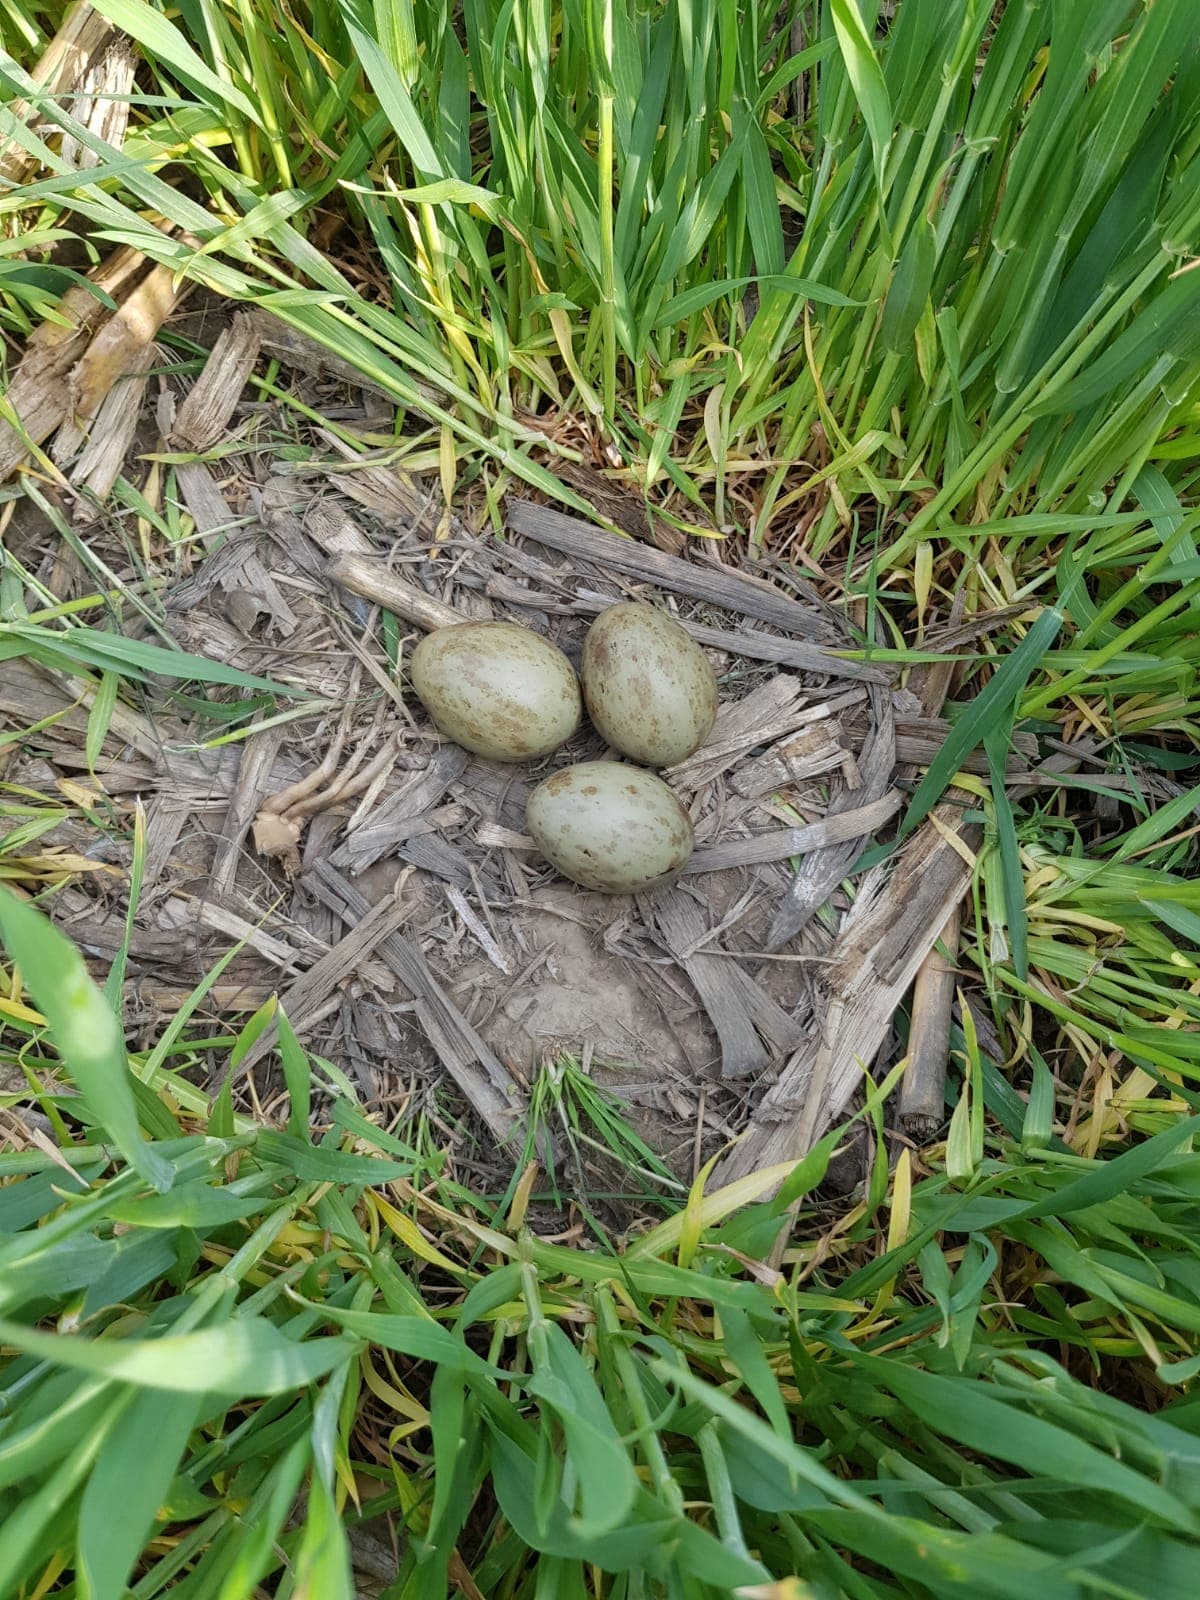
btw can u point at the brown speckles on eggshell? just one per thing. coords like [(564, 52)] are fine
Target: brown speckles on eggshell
[(497, 689), (610, 827), (648, 686)]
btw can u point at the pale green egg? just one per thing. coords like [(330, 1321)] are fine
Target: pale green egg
[(649, 688), (497, 689), (610, 827)]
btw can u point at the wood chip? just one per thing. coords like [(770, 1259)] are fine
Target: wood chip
[(102, 458), (736, 1005), (790, 761), (735, 591), (166, 815), (222, 920), (371, 579), (823, 869), (39, 391), (491, 836), (209, 405), (632, 514), (482, 933), (481, 1077), (169, 998), (60, 70), (884, 940), (371, 479), (101, 102), (773, 708), (402, 813), (206, 505), (837, 829), (293, 516), (306, 997), (123, 340), (756, 646), (923, 1091), (434, 854), (253, 782), (680, 921)]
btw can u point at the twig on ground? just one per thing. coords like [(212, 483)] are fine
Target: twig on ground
[(923, 1092)]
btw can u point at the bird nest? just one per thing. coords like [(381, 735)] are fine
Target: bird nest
[(381, 880)]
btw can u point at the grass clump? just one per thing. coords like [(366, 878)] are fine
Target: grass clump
[(250, 1361), (938, 271)]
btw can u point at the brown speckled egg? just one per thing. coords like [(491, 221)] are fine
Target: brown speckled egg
[(497, 689), (648, 686), (610, 827)]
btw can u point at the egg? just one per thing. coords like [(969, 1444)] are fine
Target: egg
[(497, 689), (648, 686), (610, 827)]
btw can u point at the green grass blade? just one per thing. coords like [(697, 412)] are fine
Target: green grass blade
[(996, 699), (147, 24), (865, 75), (996, 742), (84, 1029), (245, 1356), (128, 1484)]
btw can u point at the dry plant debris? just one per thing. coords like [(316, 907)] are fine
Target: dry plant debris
[(724, 1005)]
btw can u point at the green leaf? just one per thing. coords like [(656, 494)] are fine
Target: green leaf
[(322, 1561), (744, 1346), (114, 984), (161, 38), (71, 1408), (188, 1205), (1038, 1125), (263, 1521), (808, 1173), (138, 658), (604, 1476), (1165, 331), (866, 79), (395, 99), (762, 205), (980, 1416), (947, 1561), (100, 718), (245, 1356), (320, 1164), (447, 1426), (908, 294), (996, 742), (220, 1118), (421, 1337), (1178, 918), (1115, 1176), (298, 1079), (960, 1164), (128, 1484), (996, 699), (36, 1519), (685, 305), (84, 1029), (631, 1546)]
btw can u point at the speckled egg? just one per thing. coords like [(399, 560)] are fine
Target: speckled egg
[(497, 689), (648, 686), (610, 827)]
